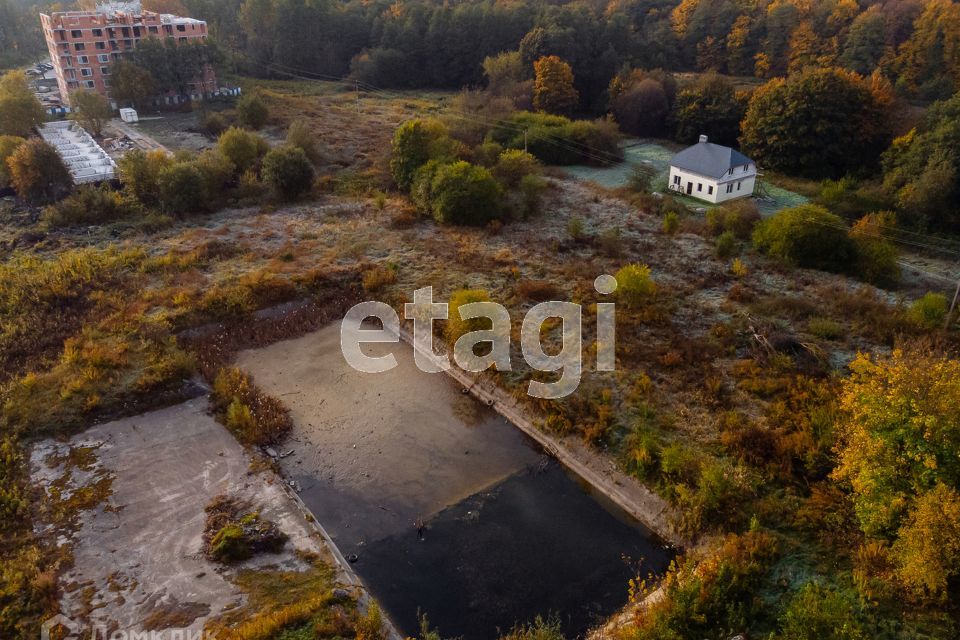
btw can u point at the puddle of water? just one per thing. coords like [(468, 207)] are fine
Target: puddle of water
[(509, 535)]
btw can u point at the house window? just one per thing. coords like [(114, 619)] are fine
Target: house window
[(738, 185), (103, 58), (90, 84), (98, 32), (730, 188), (76, 33), (105, 70), (181, 27), (86, 73), (78, 46), (730, 173), (101, 45), (153, 30), (699, 186), (710, 190), (676, 179), (82, 59)]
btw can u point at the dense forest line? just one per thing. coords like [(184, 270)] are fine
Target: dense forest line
[(422, 43), (915, 43)]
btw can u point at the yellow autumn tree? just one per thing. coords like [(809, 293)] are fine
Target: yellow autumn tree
[(927, 550), (553, 90), (899, 434)]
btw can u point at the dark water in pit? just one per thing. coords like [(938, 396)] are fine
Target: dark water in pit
[(536, 543)]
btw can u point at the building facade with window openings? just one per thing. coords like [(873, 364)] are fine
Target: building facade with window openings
[(712, 172), (83, 45)]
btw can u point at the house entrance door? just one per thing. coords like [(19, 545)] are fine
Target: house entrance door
[(689, 188)]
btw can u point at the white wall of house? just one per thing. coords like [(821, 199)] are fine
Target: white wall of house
[(738, 184)]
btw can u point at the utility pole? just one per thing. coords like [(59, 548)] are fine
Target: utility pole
[(953, 305), (525, 140)]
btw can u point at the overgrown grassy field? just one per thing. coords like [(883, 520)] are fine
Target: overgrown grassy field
[(723, 401)]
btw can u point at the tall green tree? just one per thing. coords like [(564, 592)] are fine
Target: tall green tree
[(822, 123), (710, 106), (866, 42), (131, 84), (921, 170), (90, 109), (20, 111)]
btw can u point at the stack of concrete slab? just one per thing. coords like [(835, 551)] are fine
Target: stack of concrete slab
[(85, 159)]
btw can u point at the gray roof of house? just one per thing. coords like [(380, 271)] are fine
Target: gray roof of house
[(708, 159)]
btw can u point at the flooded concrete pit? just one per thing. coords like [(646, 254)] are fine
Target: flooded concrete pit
[(509, 533)]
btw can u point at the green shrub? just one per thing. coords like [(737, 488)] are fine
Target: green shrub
[(807, 236), (457, 326), (462, 193), (415, 143), (513, 166), (218, 171), (877, 261), (817, 612), (634, 284), (576, 228), (530, 190), (850, 200), (671, 223), (252, 111), (487, 154), (213, 124), (825, 329), (230, 544), (559, 141), (183, 188), (642, 177), (714, 500), (610, 242), (876, 257), (726, 245), (251, 415), (89, 205), (140, 174), (300, 135), (703, 594), (242, 148), (288, 172), (421, 187), (930, 311), (370, 625), (539, 629), (738, 217)]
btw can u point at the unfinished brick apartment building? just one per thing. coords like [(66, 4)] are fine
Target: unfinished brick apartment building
[(84, 45)]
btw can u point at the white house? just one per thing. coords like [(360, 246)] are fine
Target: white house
[(712, 172)]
